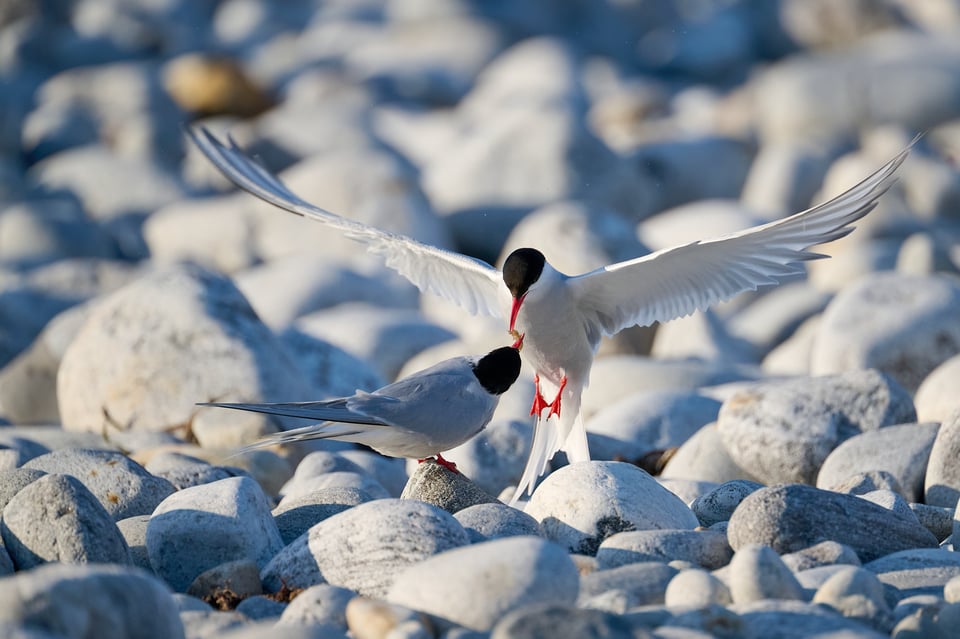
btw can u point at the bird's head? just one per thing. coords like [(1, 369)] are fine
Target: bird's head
[(521, 273), (498, 370)]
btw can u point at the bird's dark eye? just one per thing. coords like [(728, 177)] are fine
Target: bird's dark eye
[(522, 268)]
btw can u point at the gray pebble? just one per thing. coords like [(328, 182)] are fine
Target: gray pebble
[(700, 547), (791, 517), (494, 459), (296, 514), (917, 571), (391, 472), (582, 504), (320, 604), (451, 491), (240, 577), (56, 518), (640, 584), (703, 457), (259, 607), (90, 601), (942, 481), (694, 588), (719, 503), (561, 622), (757, 572), (891, 501), (935, 399), (477, 585), (937, 519), (201, 527), (865, 482), (266, 628), (857, 594), (365, 547), (485, 522), (184, 471), (826, 553), (14, 480), (123, 487), (904, 325), (134, 531), (900, 450), (361, 481), (799, 620), (783, 431)]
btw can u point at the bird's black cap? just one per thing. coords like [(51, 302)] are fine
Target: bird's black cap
[(498, 369), (521, 269)]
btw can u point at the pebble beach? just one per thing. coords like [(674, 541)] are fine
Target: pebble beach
[(783, 465)]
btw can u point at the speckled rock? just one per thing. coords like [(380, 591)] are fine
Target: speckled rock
[(123, 487), (437, 485), (718, 504), (782, 431), (903, 325), (582, 504), (365, 547), (790, 517), (704, 548), (495, 458), (477, 585), (204, 526), (14, 480), (902, 451), (484, 522), (56, 518), (89, 601)]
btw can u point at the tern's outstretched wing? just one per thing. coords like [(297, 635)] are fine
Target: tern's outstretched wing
[(675, 282), (463, 280)]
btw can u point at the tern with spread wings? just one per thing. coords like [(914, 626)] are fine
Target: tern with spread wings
[(558, 319)]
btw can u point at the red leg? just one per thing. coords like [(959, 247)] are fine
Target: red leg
[(555, 406), (539, 403)]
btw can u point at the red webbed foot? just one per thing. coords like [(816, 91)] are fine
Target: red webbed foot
[(555, 406), (449, 465), (539, 403)]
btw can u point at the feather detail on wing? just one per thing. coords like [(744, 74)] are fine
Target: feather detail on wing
[(677, 281), (468, 282)]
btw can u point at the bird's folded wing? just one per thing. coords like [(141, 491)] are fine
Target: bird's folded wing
[(675, 282), (335, 410), (468, 282)]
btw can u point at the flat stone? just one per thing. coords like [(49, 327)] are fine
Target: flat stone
[(111, 601), (204, 526), (903, 325), (437, 485), (485, 522), (56, 518), (782, 431), (704, 548), (791, 517), (365, 547), (901, 450), (582, 504), (123, 487), (477, 585)]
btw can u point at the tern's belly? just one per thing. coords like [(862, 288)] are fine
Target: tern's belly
[(556, 348)]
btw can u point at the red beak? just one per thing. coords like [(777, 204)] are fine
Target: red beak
[(517, 301)]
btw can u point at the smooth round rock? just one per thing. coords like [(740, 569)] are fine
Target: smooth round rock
[(90, 601), (918, 571), (477, 585), (791, 517), (438, 485), (123, 487), (204, 526), (901, 450), (826, 553), (694, 588), (485, 522), (320, 604), (782, 431), (365, 547), (718, 504), (297, 514), (149, 352), (582, 504), (626, 587), (700, 547), (903, 325), (865, 482), (789, 619), (757, 572), (134, 531), (14, 480), (942, 481), (935, 399), (857, 594), (240, 577), (703, 458), (56, 518)]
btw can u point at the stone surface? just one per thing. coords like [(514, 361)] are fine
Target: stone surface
[(561, 622), (134, 531), (582, 504), (902, 451), (704, 548), (942, 480), (477, 585), (826, 553), (782, 431), (204, 343), (798, 619), (757, 572), (857, 594), (365, 547), (204, 526), (693, 588), (703, 457), (485, 522), (903, 325), (720, 503), (295, 515), (56, 519), (123, 487), (865, 482), (917, 571), (320, 604), (626, 587), (790, 517), (495, 458), (437, 485), (240, 577), (934, 398), (83, 602)]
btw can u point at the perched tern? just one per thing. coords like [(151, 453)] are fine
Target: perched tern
[(558, 319), (419, 416)]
